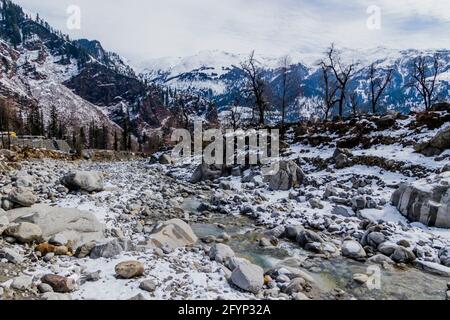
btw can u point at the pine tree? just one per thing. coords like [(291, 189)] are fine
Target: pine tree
[(105, 137), (116, 141), (53, 127)]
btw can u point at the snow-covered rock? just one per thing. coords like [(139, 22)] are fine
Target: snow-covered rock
[(426, 200)]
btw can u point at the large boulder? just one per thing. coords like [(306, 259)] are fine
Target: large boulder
[(248, 277), (442, 139), (25, 232), (289, 175), (84, 180), (22, 197), (4, 222), (77, 226), (426, 200), (435, 146), (172, 234), (353, 249), (444, 256), (220, 252), (59, 284)]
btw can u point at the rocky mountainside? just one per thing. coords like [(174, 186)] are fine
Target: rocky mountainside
[(218, 74), (42, 68)]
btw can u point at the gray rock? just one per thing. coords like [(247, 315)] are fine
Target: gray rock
[(387, 248), (360, 278), (93, 276), (444, 256), (220, 252), (11, 255), (248, 277), (265, 243), (433, 268), (24, 180), (148, 285), (277, 232), (76, 226), (441, 140), (44, 288), (295, 285), (315, 203), (25, 232), (403, 255), (22, 197), (343, 211), (289, 175), (110, 249), (22, 283), (172, 234), (381, 259), (342, 161), (308, 236), (426, 200), (292, 231), (353, 249), (4, 223), (343, 151), (83, 180), (374, 239), (359, 202), (58, 240), (233, 262)]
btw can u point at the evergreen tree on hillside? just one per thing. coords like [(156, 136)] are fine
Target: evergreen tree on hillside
[(12, 16), (53, 127)]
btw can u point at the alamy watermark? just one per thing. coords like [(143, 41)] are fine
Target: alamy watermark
[(231, 147), (374, 20), (73, 17)]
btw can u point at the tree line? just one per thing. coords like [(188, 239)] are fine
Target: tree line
[(31, 123), (335, 97)]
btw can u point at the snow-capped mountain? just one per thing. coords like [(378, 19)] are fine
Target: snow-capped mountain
[(218, 73)]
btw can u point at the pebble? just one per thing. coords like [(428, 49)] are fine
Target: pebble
[(148, 285)]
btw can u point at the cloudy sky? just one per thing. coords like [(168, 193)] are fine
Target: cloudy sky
[(145, 29)]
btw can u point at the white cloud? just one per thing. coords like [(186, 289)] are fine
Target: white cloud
[(143, 29)]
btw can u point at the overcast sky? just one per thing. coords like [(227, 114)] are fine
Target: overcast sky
[(144, 29)]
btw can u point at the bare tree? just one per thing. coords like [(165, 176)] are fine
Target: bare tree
[(354, 103), (255, 85), (425, 78), (378, 85), (235, 115), (342, 74), (330, 89), (285, 63)]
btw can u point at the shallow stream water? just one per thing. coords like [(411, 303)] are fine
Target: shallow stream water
[(329, 274)]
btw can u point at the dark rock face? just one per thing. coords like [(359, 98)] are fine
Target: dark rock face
[(426, 201), (101, 85)]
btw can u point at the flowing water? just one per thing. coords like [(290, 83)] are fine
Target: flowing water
[(329, 274)]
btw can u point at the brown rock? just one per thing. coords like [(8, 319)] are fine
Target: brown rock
[(45, 248), (129, 269), (59, 284)]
